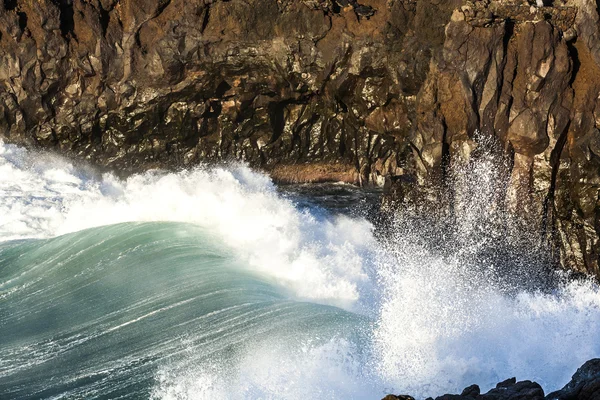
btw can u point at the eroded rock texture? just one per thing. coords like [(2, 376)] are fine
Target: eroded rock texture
[(527, 77), (359, 91), (139, 83)]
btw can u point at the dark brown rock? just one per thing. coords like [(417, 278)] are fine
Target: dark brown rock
[(132, 84), (509, 72), (360, 91)]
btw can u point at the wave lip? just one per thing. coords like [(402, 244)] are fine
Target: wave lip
[(317, 258), (104, 308), (211, 283)]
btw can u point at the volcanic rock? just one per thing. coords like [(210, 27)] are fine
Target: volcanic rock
[(585, 385), (314, 90)]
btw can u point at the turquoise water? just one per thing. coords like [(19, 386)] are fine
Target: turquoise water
[(214, 283), (103, 309)]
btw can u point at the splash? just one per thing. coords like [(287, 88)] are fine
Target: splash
[(445, 309), (276, 370), (470, 296), (316, 258)]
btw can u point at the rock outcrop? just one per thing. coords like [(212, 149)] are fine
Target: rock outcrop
[(309, 90), (361, 91), (528, 78), (585, 385)]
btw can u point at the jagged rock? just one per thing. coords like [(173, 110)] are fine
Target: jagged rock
[(471, 391), (132, 84), (399, 397), (508, 71), (585, 384), (525, 390), (509, 389), (361, 91)]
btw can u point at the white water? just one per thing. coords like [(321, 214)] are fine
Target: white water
[(440, 324), (45, 196)]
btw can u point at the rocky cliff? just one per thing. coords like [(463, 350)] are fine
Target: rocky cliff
[(528, 78), (312, 90), (139, 83)]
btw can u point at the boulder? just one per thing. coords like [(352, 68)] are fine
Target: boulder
[(585, 384)]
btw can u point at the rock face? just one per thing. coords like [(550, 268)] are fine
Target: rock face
[(310, 90), (290, 86), (585, 385), (522, 76)]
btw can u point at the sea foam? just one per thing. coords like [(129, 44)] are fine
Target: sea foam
[(439, 323)]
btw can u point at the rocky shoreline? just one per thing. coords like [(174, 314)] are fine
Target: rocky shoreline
[(585, 385), (367, 92)]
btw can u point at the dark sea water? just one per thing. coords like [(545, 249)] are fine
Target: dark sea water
[(215, 283), (334, 198)]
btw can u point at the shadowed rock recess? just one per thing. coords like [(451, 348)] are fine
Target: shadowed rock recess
[(361, 91)]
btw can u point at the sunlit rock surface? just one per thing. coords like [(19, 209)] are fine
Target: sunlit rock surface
[(357, 91)]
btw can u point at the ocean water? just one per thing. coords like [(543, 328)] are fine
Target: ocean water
[(214, 283)]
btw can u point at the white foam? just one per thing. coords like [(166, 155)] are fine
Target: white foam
[(442, 328), (45, 196), (274, 370), (441, 325)]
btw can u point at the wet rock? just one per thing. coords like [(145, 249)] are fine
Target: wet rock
[(509, 73), (509, 389), (525, 390), (471, 391), (585, 384), (364, 91), (134, 84)]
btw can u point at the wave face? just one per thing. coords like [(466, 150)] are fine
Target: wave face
[(213, 283)]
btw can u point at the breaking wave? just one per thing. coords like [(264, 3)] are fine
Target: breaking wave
[(214, 283)]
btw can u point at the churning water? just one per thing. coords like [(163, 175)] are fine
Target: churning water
[(214, 283)]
